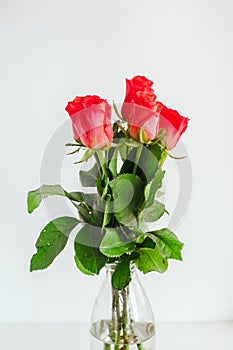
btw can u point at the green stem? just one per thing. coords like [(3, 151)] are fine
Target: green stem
[(105, 191), (106, 218), (106, 158), (127, 151), (98, 164), (107, 205), (163, 158), (107, 346), (137, 157), (139, 346), (124, 320), (102, 162), (116, 319)]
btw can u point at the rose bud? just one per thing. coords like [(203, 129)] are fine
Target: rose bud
[(91, 124)]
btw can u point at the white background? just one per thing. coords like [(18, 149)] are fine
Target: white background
[(53, 50)]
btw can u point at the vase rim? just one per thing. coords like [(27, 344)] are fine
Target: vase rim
[(112, 266)]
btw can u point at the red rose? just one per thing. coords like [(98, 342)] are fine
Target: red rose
[(91, 124), (137, 84), (146, 116), (139, 108), (173, 124)]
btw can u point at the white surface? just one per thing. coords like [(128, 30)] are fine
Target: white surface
[(175, 336), (52, 50)]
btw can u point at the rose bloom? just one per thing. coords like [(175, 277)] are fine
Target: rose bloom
[(172, 123), (139, 108), (146, 116), (91, 124)]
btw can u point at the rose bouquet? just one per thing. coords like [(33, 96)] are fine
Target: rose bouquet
[(112, 222)]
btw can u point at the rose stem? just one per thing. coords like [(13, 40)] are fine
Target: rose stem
[(107, 346), (124, 320), (137, 157), (118, 316), (112, 333), (98, 164), (139, 346), (102, 162), (115, 326), (163, 158)]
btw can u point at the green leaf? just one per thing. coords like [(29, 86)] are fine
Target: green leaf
[(81, 267), (87, 253), (147, 164), (168, 243), (101, 211), (123, 149), (151, 260), (152, 187), (90, 199), (121, 276), (147, 243), (52, 241), (86, 205), (84, 212), (35, 197), (88, 154), (153, 213), (141, 238), (90, 260), (76, 196), (112, 244), (88, 178), (159, 194), (128, 194), (156, 150)]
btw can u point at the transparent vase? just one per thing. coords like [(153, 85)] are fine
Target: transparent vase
[(122, 319)]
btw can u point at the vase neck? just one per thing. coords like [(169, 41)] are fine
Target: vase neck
[(110, 268)]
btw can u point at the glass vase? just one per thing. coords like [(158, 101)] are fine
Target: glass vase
[(122, 319)]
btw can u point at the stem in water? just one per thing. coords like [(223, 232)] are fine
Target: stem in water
[(118, 321), (124, 320)]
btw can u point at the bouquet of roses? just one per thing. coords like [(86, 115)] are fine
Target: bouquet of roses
[(112, 222)]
